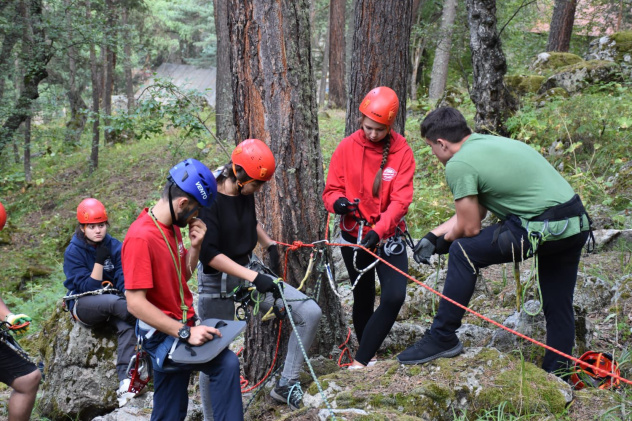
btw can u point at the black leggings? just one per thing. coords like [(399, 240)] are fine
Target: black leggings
[(377, 323)]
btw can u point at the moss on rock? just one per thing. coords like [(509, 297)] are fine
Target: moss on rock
[(525, 84)]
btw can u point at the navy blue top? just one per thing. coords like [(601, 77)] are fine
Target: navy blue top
[(79, 260)]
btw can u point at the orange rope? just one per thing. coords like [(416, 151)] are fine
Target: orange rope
[(297, 244), (345, 351), (276, 353)]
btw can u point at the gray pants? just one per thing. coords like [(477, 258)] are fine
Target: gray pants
[(305, 314), (110, 308)]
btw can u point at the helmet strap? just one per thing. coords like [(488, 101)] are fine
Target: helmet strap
[(240, 185), (179, 221)]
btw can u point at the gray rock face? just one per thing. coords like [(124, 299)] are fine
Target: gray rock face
[(80, 369), (578, 76)]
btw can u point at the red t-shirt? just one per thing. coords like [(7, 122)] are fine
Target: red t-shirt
[(147, 264)]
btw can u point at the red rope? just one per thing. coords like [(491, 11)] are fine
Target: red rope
[(345, 351), (276, 353), (600, 371)]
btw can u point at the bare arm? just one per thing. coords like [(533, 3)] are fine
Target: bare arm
[(197, 229), (139, 306), (467, 221), (4, 310), (225, 264), (263, 238)]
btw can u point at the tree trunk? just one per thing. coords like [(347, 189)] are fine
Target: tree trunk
[(11, 36), (35, 65), (74, 126), (96, 90), (439, 75), (275, 101), (223, 90), (127, 61), (337, 47), (561, 27), (322, 91), (27, 150), (493, 101), (108, 69), (380, 55)]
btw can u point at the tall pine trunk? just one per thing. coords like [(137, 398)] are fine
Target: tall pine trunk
[(493, 101), (439, 75), (380, 54), (223, 89), (108, 68), (96, 89), (127, 60), (561, 27), (275, 101), (337, 46)]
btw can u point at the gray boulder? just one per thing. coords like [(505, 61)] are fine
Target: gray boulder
[(578, 76), (80, 369)]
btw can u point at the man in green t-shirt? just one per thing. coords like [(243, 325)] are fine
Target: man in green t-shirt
[(539, 212)]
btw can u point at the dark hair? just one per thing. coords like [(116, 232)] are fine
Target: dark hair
[(176, 192), (227, 172), (81, 235), (446, 123)]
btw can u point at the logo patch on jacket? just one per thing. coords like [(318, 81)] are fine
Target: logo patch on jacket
[(388, 174)]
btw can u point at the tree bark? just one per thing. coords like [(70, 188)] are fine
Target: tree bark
[(322, 91), (439, 75), (96, 90), (27, 150), (275, 101), (127, 60), (35, 65), (108, 68), (561, 27), (337, 47), (493, 101), (11, 37), (74, 126), (223, 89), (380, 54)]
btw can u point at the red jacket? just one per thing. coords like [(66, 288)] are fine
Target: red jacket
[(352, 170)]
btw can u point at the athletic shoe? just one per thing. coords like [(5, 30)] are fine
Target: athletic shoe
[(429, 348), (290, 394), (122, 394)]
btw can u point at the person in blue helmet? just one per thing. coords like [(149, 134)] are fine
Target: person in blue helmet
[(95, 284), (156, 267)]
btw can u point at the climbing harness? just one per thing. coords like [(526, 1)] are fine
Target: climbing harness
[(70, 307), (6, 336)]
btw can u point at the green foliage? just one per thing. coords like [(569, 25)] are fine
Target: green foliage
[(588, 144)]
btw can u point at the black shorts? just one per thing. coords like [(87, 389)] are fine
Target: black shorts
[(13, 365)]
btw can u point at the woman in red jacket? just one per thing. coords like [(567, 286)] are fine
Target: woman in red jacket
[(374, 165)]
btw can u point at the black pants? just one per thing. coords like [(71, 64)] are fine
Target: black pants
[(376, 324), (558, 264)]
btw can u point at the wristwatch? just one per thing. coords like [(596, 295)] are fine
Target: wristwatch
[(184, 333)]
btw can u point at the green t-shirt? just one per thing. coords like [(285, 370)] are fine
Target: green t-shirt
[(508, 176)]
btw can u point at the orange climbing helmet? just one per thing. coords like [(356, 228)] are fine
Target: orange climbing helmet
[(587, 376), (91, 211), (381, 105), (256, 158), (3, 216)]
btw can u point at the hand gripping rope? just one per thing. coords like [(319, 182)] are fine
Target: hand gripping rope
[(597, 370)]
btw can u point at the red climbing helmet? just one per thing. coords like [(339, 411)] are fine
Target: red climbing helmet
[(91, 211), (256, 158), (3, 216), (381, 105), (587, 376)]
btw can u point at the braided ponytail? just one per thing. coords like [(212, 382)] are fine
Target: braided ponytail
[(377, 182)]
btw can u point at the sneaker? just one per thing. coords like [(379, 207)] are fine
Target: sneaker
[(428, 348), (122, 394), (290, 394)]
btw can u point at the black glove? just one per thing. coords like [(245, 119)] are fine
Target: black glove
[(425, 248), (443, 246), (102, 254), (264, 283), (343, 206), (370, 240), (275, 263)]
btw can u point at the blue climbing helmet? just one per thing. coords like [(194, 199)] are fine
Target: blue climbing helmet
[(196, 179)]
